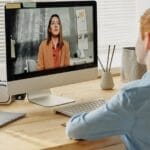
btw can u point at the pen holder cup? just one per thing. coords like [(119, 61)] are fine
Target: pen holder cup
[(107, 81)]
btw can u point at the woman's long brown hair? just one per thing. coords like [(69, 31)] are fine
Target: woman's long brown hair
[(49, 34)]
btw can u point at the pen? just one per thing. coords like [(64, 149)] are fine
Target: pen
[(112, 57), (108, 58), (101, 64)]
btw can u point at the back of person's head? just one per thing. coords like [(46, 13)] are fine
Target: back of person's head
[(143, 48), (145, 23)]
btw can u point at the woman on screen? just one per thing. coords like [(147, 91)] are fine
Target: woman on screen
[(53, 52)]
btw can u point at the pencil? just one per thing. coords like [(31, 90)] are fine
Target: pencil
[(101, 64), (112, 57), (108, 58)]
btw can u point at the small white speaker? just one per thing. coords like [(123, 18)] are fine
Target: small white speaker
[(4, 97)]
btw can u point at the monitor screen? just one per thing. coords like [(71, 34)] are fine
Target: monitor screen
[(45, 39)]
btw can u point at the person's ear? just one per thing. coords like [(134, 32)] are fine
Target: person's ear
[(147, 41)]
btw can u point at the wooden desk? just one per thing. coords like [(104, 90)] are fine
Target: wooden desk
[(42, 129)]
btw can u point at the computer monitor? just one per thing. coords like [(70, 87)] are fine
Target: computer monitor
[(43, 53)]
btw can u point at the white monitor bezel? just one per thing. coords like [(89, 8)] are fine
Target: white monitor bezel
[(56, 77)]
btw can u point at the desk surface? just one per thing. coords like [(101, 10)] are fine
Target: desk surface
[(42, 129)]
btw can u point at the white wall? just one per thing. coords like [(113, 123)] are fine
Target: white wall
[(116, 25), (141, 6)]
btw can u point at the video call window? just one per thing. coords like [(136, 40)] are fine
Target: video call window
[(49, 38)]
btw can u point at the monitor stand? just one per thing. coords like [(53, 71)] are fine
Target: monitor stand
[(45, 98)]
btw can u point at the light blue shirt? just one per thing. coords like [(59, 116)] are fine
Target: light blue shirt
[(126, 114)]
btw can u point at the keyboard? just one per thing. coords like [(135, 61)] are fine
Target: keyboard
[(72, 109)]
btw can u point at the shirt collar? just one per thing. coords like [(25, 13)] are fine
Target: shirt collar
[(146, 75)]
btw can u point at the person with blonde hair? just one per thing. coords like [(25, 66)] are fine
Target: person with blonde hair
[(53, 52), (128, 112)]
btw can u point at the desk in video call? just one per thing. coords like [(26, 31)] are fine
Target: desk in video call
[(42, 128)]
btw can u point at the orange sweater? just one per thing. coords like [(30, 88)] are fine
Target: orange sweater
[(45, 55)]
